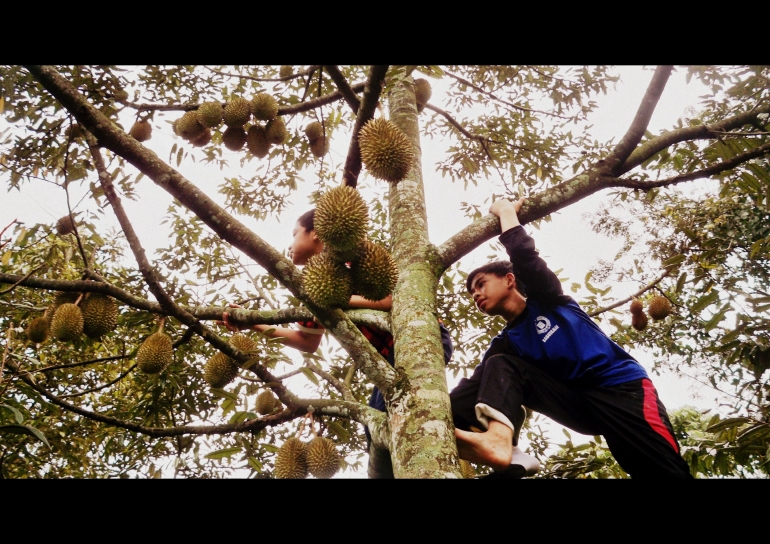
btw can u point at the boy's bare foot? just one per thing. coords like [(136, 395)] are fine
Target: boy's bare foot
[(493, 448)]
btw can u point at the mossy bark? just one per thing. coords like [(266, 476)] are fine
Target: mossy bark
[(421, 428)]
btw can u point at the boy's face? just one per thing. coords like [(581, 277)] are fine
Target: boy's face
[(491, 292), (305, 245)]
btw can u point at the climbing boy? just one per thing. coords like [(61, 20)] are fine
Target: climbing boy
[(553, 358)]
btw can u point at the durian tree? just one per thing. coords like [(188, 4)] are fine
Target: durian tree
[(690, 202)]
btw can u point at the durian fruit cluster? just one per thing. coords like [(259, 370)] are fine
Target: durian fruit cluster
[(659, 308), (220, 370), (244, 121), (71, 315), (297, 459), (386, 152), (350, 264)]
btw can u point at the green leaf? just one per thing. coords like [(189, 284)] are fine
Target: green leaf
[(25, 429), (339, 430), (255, 464), (16, 414), (680, 282), (221, 454), (728, 423), (673, 261), (271, 448), (309, 374)]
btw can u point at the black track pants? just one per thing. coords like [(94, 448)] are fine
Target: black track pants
[(630, 416)]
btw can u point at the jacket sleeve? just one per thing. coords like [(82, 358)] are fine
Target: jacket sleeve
[(539, 281)]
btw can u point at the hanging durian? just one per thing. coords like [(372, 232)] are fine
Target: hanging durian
[(326, 281), (100, 315), (291, 460), (155, 353), (385, 150), (323, 461), (341, 218)]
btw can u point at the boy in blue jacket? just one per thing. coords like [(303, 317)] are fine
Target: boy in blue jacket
[(553, 358)]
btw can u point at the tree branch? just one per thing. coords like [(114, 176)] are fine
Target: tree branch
[(642, 119), (301, 407), (283, 110), (641, 291), (494, 97), (698, 132), (100, 387), (697, 174), (343, 86), (307, 72), (459, 127), (372, 89)]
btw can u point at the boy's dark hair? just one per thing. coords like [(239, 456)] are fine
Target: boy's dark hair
[(498, 268), (307, 220)]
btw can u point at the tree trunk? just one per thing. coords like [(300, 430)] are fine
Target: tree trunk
[(422, 432)]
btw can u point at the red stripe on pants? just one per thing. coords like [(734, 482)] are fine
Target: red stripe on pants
[(652, 416)]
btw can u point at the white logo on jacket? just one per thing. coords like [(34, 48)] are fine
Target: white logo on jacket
[(543, 325)]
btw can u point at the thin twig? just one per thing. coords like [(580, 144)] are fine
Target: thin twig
[(629, 298), (467, 134), (491, 95), (12, 287), (99, 387)]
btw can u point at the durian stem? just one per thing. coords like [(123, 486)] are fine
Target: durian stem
[(161, 323)]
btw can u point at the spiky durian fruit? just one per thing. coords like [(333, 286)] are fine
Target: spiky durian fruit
[(155, 353), (326, 281), (323, 461), (188, 126), (243, 343), (314, 131), (210, 114), (286, 71), (636, 306), (59, 299), (37, 330), (319, 147), (67, 323), (276, 132), (256, 141), (266, 403), (291, 460), (141, 131), (220, 370), (100, 315), (234, 138), (341, 218), (385, 150), (374, 272), (264, 107), (659, 308), (237, 112), (639, 321), (65, 226), (467, 470), (203, 139), (422, 92)]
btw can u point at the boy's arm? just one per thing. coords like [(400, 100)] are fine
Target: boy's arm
[(539, 281), (297, 339), (357, 301)]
